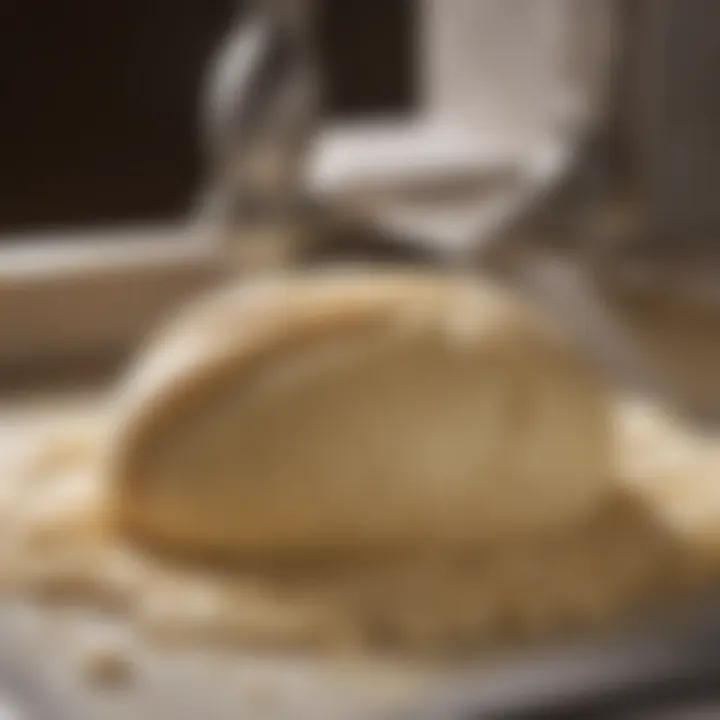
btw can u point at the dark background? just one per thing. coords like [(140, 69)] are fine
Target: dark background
[(99, 101)]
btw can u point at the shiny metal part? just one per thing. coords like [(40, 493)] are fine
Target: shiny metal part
[(260, 115), (262, 118)]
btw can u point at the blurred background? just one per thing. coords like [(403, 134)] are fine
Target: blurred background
[(100, 120), (102, 152), (100, 105)]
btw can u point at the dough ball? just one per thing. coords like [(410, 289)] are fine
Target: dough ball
[(354, 410)]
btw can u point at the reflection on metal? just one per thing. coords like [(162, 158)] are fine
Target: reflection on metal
[(540, 104), (260, 113)]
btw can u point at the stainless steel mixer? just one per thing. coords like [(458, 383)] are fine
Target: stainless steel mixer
[(262, 120)]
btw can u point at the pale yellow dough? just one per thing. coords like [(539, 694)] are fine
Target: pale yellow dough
[(380, 461), (349, 410)]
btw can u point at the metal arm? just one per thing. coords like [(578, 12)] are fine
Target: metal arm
[(259, 117)]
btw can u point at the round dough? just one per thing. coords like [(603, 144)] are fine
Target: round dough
[(352, 410)]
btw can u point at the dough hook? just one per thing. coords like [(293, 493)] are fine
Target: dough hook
[(262, 117), (259, 116)]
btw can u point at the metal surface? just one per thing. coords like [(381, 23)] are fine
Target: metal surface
[(669, 661), (262, 116), (42, 674)]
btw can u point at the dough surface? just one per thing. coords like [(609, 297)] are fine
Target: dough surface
[(651, 544), (301, 372), (341, 411)]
